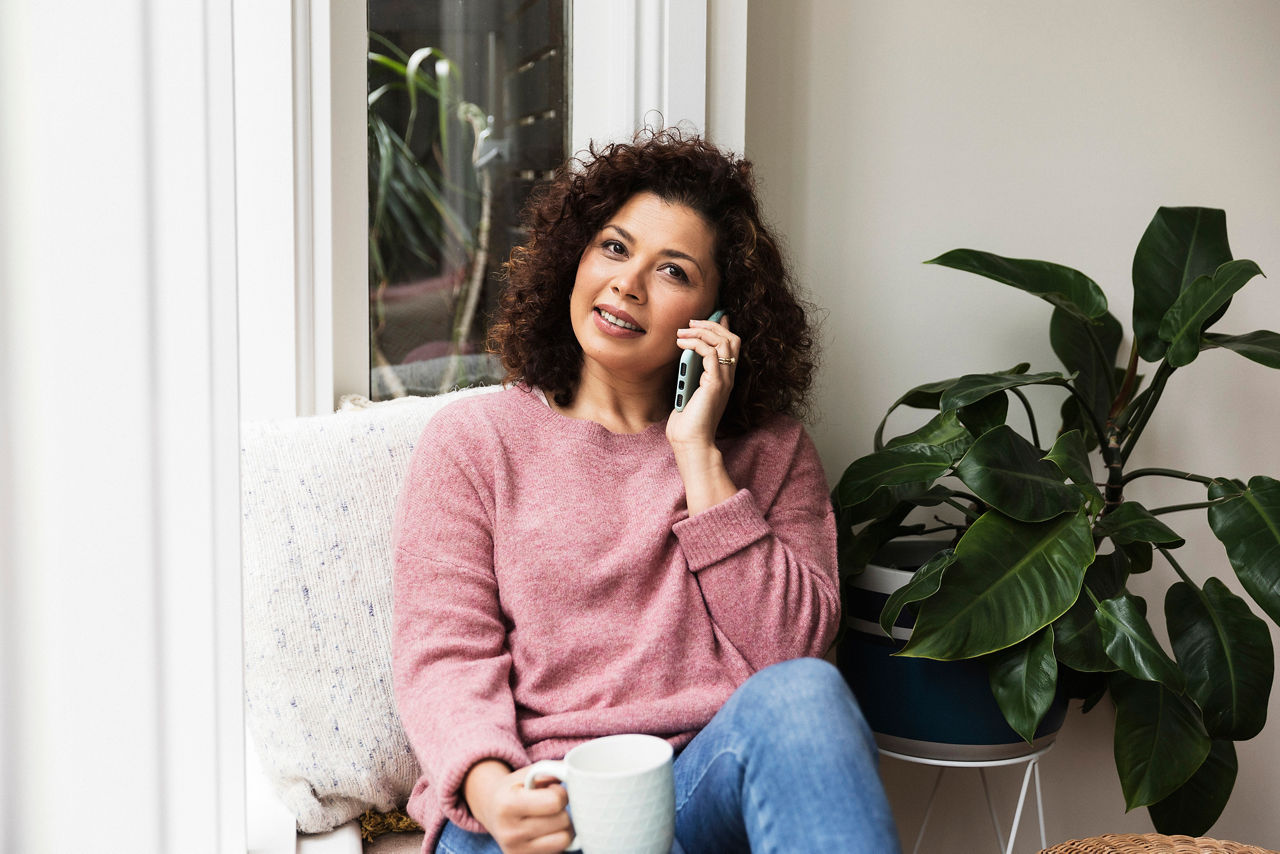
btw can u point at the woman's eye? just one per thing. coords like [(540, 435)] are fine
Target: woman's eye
[(614, 247), (676, 271)]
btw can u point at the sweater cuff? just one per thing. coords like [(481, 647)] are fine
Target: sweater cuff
[(477, 746), (719, 531)]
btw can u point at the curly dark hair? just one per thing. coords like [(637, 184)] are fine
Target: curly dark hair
[(532, 331)]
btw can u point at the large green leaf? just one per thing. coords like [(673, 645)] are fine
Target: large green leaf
[(986, 414), (1088, 349), (1072, 458), (855, 550), (1192, 311), (1226, 653), (1009, 473), (943, 431), (1077, 639), (924, 396), (1261, 346), (1010, 580), (1061, 286), (1159, 740), (1131, 643), (1023, 679), (1249, 528), (882, 501), (923, 584), (903, 464), (971, 388), (1133, 523), (1193, 808), (1179, 245)]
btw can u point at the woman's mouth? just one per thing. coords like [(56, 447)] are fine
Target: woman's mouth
[(615, 325)]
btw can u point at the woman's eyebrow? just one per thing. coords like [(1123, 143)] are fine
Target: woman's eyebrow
[(666, 253)]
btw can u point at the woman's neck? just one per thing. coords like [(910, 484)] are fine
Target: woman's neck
[(618, 405)]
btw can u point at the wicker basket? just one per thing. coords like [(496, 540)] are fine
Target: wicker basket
[(1152, 843)]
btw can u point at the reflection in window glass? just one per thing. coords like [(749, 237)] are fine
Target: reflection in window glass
[(467, 111)]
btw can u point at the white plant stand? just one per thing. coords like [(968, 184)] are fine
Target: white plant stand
[(1033, 770)]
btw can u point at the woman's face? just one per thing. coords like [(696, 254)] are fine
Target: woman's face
[(645, 274)]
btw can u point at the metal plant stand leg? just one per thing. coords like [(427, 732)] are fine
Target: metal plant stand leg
[(937, 781), (1032, 761)]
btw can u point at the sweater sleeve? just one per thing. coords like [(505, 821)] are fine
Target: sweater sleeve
[(768, 574), (449, 659)]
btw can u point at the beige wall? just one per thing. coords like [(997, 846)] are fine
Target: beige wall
[(888, 132)]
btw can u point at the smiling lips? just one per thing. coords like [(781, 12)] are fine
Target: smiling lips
[(616, 323)]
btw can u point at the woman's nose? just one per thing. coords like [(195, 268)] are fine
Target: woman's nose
[(628, 285)]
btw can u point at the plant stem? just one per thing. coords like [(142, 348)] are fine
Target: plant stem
[(1157, 389), (1126, 387), (1197, 505), (1181, 475), (1178, 569), (942, 527), (1031, 418), (968, 513), (1087, 408)]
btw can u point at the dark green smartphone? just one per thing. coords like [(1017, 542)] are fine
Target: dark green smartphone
[(690, 371)]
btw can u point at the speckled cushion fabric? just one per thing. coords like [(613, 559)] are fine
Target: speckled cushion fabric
[(317, 497)]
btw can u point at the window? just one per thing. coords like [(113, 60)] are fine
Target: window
[(467, 111)]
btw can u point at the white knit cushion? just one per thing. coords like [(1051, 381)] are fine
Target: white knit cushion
[(317, 500)]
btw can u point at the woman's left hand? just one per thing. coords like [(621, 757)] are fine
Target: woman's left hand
[(692, 432)]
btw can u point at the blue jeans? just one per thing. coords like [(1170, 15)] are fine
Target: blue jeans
[(786, 766)]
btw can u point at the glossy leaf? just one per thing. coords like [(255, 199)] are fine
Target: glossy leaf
[(1226, 653), (921, 397), (1159, 740), (923, 584), (1131, 643), (1133, 523), (1190, 313), (1139, 555), (855, 550), (1010, 580), (1077, 639), (1262, 346), (1023, 679), (1179, 245), (971, 388), (882, 501), (1010, 474), (1088, 348), (1061, 286), (1072, 459), (943, 431), (1249, 527), (890, 467), (1194, 807), (986, 414)]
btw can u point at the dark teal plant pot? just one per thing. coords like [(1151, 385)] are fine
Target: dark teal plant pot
[(933, 709)]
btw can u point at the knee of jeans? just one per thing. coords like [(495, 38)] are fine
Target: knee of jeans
[(804, 686), (797, 684)]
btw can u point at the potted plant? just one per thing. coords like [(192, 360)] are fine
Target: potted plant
[(1043, 537), (429, 221)]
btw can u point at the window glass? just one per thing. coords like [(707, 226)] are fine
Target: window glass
[(467, 111)]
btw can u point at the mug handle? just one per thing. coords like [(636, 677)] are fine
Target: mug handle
[(551, 768)]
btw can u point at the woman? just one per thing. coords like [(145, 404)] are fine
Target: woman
[(575, 559)]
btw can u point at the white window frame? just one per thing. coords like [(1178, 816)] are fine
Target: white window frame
[(302, 179), (119, 524)]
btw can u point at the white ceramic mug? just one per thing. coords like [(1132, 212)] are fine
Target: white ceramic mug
[(622, 794)]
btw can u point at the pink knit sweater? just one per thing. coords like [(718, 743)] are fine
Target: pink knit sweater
[(550, 586)]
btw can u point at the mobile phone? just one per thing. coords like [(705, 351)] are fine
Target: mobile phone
[(690, 371)]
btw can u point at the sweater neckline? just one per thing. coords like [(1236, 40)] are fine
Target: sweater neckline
[(651, 437)]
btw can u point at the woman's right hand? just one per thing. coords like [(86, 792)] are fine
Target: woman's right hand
[(520, 820)]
